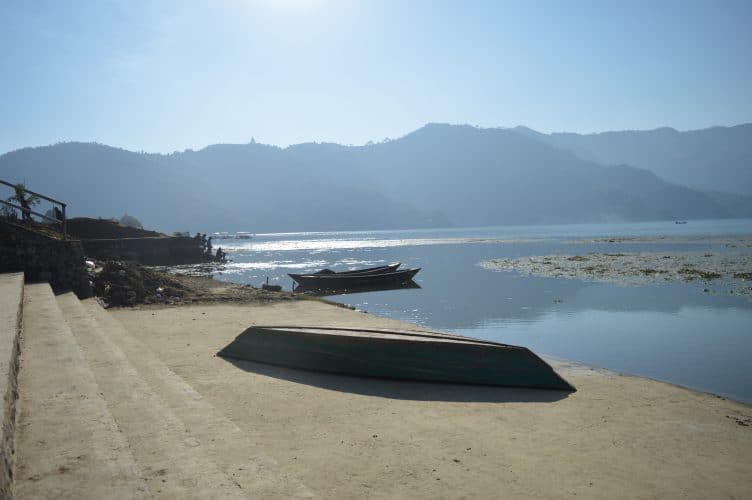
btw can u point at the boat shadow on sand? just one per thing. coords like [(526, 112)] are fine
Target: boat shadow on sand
[(403, 389)]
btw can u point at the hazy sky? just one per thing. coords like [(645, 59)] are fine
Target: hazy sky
[(164, 75)]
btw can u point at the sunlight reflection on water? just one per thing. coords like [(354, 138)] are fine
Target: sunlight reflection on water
[(324, 245), (275, 264)]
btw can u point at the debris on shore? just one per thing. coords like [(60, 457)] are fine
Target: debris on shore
[(121, 283), (127, 284)]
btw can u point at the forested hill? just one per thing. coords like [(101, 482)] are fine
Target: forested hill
[(714, 159), (437, 176)]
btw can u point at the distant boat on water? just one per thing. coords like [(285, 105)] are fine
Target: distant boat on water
[(680, 222)]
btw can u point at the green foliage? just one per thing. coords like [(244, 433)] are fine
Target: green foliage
[(24, 199), (130, 221)]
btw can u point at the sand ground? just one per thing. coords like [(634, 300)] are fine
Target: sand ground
[(345, 437)]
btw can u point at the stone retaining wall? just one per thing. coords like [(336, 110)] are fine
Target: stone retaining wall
[(42, 258), (165, 250), (85, 228)]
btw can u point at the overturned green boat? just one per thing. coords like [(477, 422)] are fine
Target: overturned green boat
[(398, 354)]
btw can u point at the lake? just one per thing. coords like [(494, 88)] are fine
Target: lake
[(673, 332)]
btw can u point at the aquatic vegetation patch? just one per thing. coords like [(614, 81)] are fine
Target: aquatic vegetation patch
[(577, 258), (729, 272), (690, 273), (649, 272)]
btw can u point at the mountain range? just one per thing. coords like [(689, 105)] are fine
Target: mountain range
[(439, 175), (717, 158)]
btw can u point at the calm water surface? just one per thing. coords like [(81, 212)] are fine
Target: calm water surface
[(673, 332)]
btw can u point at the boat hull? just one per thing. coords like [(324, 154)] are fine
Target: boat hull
[(378, 287), (348, 280), (369, 270), (406, 355), (389, 268)]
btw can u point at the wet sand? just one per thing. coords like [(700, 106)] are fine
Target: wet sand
[(345, 437)]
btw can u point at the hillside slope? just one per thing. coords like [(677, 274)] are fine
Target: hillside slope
[(437, 176), (716, 159)]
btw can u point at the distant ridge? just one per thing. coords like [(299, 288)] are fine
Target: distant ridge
[(436, 176), (715, 158)]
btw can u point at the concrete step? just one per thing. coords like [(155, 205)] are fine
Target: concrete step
[(67, 442), (232, 450), (11, 307), (175, 464)]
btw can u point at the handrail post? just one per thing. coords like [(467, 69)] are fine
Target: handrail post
[(27, 211), (65, 225)]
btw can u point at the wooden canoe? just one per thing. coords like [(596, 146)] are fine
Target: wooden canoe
[(368, 270), (348, 280), (350, 289), (397, 354)]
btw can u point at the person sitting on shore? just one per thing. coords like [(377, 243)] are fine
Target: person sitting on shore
[(220, 257)]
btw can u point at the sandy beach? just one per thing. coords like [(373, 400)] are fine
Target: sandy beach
[(344, 437)]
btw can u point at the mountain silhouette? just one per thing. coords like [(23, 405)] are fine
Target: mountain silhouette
[(714, 159), (436, 176)]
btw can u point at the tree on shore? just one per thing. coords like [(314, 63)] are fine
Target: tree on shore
[(130, 221), (24, 199)]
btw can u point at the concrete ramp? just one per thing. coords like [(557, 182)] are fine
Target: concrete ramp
[(68, 443), (11, 307), (220, 439), (172, 461), (101, 416)]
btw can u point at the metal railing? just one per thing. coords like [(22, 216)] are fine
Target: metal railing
[(61, 221)]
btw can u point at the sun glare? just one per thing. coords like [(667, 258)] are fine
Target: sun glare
[(300, 6)]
